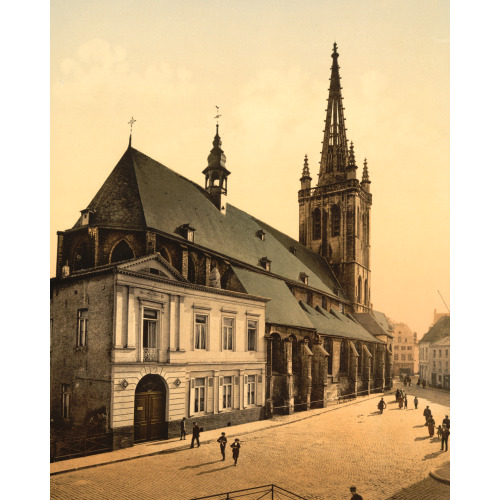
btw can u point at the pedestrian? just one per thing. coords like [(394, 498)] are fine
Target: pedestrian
[(196, 435), (398, 393), (415, 402), (446, 421), (430, 425), (406, 403), (236, 450), (381, 405), (439, 431), (409, 381), (401, 401), (444, 438), (183, 428), (427, 414), (423, 384), (223, 441), (355, 496), (404, 382), (418, 381)]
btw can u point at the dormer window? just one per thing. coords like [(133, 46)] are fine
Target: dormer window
[(261, 234), (304, 278), (265, 263), (188, 232), (86, 216), (293, 250)]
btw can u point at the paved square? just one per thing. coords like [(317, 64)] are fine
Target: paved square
[(385, 456)]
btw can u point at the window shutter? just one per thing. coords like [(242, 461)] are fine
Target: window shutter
[(245, 391), (259, 397), (221, 383), (210, 395), (191, 398)]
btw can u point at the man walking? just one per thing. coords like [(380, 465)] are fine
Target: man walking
[(382, 405), (196, 435), (446, 421), (355, 496), (183, 428), (415, 402), (406, 402), (444, 438), (427, 414), (223, 441), (236, 450)]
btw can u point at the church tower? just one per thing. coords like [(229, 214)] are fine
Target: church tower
[(216, 173), (334, 216)]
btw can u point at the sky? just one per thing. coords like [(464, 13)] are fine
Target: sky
[(266, 64)]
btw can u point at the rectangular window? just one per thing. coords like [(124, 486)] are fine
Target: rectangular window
[(201, 327), (199, 395), (434, 364), (446, 353), (396, 357), (252, 334), (410, 357), (149, 328), (446, 366), (396, 347), (434, 353), (403, 347), (81, 334), (440, 353), (65, 400), (403, 357), (227, 392), (227, 333), (409, 348), (251, 390)]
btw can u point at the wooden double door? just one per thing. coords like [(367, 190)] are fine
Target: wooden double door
[(149, 410)]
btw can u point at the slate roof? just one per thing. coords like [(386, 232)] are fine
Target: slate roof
[(141, 193), (283, 309), (438, 331), (337, 324), (375, 322)]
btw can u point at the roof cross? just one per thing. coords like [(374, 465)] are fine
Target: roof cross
[(131, 123)]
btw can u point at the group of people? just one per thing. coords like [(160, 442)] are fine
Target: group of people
[(421, 382), (443, 430), (222, 440)]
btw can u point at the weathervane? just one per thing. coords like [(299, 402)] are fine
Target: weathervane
[(217, 116)]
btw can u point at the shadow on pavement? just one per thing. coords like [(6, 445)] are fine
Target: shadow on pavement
[(428, 488), (199, 465), (423, 438), (374, 413), (417, 426), (214, 470), (432, 455)]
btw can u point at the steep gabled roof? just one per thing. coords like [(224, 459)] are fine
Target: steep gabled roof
[(141, 193), (438, 331)]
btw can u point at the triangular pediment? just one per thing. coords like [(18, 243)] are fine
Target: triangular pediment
[(154, 265)]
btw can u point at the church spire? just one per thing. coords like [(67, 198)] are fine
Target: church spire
[(351, 163), (305, 180), (365, 181), (334, 154)]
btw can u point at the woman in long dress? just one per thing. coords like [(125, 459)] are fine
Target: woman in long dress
[(430, 425)]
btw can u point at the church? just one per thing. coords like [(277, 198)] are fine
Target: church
[(170, 303)]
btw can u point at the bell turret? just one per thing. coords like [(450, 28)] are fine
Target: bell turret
[(216, 173)]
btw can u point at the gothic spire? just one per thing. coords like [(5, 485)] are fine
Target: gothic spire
[(305, 170), (305, 180), (365, 181), (334, 154)]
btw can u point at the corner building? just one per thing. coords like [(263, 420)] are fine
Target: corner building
[(156, 262)]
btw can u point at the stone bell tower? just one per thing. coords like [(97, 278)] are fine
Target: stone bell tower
[(334, 216)]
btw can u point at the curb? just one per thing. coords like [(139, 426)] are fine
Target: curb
[(439, 478), (173, 449)]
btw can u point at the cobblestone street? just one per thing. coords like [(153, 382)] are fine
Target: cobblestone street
[(385, 456)]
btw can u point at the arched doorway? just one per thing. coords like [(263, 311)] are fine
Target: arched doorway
[(149, 409)]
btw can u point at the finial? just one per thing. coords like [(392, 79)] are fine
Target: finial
[(305, 170), (217, 116), (365, 178), (131, 123), (335, 53)]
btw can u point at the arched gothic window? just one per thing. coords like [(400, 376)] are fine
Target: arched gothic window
[(335, 215), (366, 292), (359, 289), (295, 355), (122, 251), (316, 216)]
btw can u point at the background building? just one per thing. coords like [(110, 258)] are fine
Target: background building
[(405, 350), (435, 354)]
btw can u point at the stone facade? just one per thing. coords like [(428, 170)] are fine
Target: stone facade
[(406, 352), (116, 353)]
